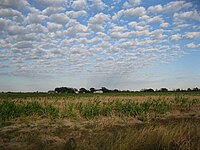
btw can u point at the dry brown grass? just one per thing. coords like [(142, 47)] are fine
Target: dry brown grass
[(165, 134), (181, 134)]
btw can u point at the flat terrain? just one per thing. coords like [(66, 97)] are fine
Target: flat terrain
[(168, 120)]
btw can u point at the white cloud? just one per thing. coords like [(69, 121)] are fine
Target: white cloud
[(75, 28), (98, 5), (16, 29), (120, 35), (155, 9), (148, 50), (144, 17), (131, 3), (192, 45), (170, 7), (47, 3), (130, 13), (59, 18), (80, 28), (23, 45), (164, 25), (53, 10), (146, 42), (176, 6), (96, 22), (95, 39), (175, 47), (9, 13), (175, 37), (30, 36), (36, 28), (180, 26), (35, 18), (22, 4), (141, 33), (79, 4), (104, 44), (157, 34), (76, 14), (53, 26), (155, 19), (4, 23), (115, 2), (116, 28), (138, 26), (134, 12), (189, 15), (129, 44), (191, 35)]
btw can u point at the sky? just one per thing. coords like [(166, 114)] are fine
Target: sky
[(123, 44)]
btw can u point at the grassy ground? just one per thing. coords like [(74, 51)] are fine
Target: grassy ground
[(28, 95), (100, 121)]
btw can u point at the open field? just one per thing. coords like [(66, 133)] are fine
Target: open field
[(167, 120)]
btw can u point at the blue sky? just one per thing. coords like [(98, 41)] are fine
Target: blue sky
[(129, 44)]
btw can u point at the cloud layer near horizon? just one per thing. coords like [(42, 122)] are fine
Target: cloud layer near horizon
[(93, 37)]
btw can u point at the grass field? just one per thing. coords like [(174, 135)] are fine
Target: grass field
[(168, 120)]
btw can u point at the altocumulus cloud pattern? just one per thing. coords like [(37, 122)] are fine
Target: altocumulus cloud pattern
[(94, 37)]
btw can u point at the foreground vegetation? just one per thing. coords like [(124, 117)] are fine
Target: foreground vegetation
[(89, 109), (100, 121), (170, 134), (179, 134)]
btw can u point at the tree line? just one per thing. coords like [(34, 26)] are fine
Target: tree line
[(106, 90), (81, 90)]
